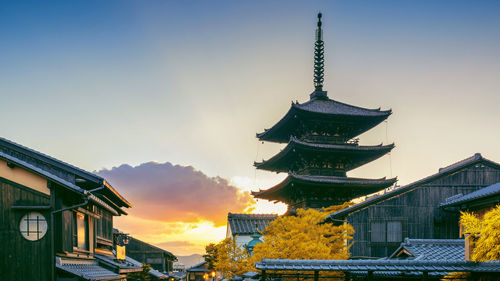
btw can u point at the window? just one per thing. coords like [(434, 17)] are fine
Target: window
[(386, 231), (394, 231), (80, 231), (33, 226), (378, 232), (104, 225)]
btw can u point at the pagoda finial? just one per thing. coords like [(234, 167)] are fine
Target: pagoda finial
[(319, 58)]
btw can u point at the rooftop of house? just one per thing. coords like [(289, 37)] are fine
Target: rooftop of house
[(465, 163), (248, 223), (492, 190), (57, 170), (381, 265), (431, 249)]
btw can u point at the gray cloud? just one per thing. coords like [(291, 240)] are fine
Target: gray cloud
[(173, 193)]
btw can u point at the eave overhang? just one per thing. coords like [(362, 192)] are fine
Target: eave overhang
[(357, 155), (328, 185), (361, 119)]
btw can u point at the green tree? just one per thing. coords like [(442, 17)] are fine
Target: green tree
[(211, 255), (141, 275)]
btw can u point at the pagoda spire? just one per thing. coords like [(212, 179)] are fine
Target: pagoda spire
[(319, 58)]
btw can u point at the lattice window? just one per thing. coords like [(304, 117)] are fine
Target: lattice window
[(33, 226)]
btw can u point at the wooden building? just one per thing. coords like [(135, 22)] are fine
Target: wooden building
[(159, 259), (54, 218), (414, 210), (200, 272), (321, 148), (478, 202)]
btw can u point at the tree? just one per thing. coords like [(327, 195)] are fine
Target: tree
[(487, 233), (305, 236), (211, 255), (141, 275), (232, 259)]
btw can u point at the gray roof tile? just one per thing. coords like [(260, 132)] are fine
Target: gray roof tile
[(246, 223), (378, 265), (86, 269), (432, 249), (491, 190)]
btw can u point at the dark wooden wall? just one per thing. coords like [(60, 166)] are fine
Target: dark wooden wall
[(419, 211), (21, 259), (143, 252)]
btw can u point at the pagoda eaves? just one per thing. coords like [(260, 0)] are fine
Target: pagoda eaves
[(345, 157), (345, 120), (340, 189)]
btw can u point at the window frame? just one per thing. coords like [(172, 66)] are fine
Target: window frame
[(402, 221)]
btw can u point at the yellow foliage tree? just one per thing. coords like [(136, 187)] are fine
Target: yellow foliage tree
[(487, 246), (230, 259), (487, 232), (305, 236)]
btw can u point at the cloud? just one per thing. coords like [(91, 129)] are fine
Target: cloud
[(174, 193)]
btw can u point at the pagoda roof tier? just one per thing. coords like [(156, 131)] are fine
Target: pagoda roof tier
[(325, 186), (355, 155), (359, 119)]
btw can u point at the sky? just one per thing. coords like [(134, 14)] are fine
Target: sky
[(164, 98)]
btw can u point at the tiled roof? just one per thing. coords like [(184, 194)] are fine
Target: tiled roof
[(324, 108), (378, 265), (56, 179), (488, 191), (86, 269), (332, 184), (477, 158), (246, 223), (329, 106), (359, 154), (54, 166), (129, 264), (432, 249)]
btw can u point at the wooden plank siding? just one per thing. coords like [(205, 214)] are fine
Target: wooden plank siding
[(419, 211), (21, 259)]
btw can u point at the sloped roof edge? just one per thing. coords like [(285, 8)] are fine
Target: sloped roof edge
[(476, 158)]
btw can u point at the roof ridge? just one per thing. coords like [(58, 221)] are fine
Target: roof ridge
[(408, 187), (41, 154)]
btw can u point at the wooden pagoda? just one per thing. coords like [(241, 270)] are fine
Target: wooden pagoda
[(322, 148)]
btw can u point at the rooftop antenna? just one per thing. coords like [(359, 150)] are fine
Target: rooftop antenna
[(319, 62)]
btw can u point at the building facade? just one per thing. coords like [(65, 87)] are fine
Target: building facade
[(382, 221), (54, 218)]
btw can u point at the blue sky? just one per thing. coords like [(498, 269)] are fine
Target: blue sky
[(105, 83)]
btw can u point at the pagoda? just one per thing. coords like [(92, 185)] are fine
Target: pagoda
[(322, 147)]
